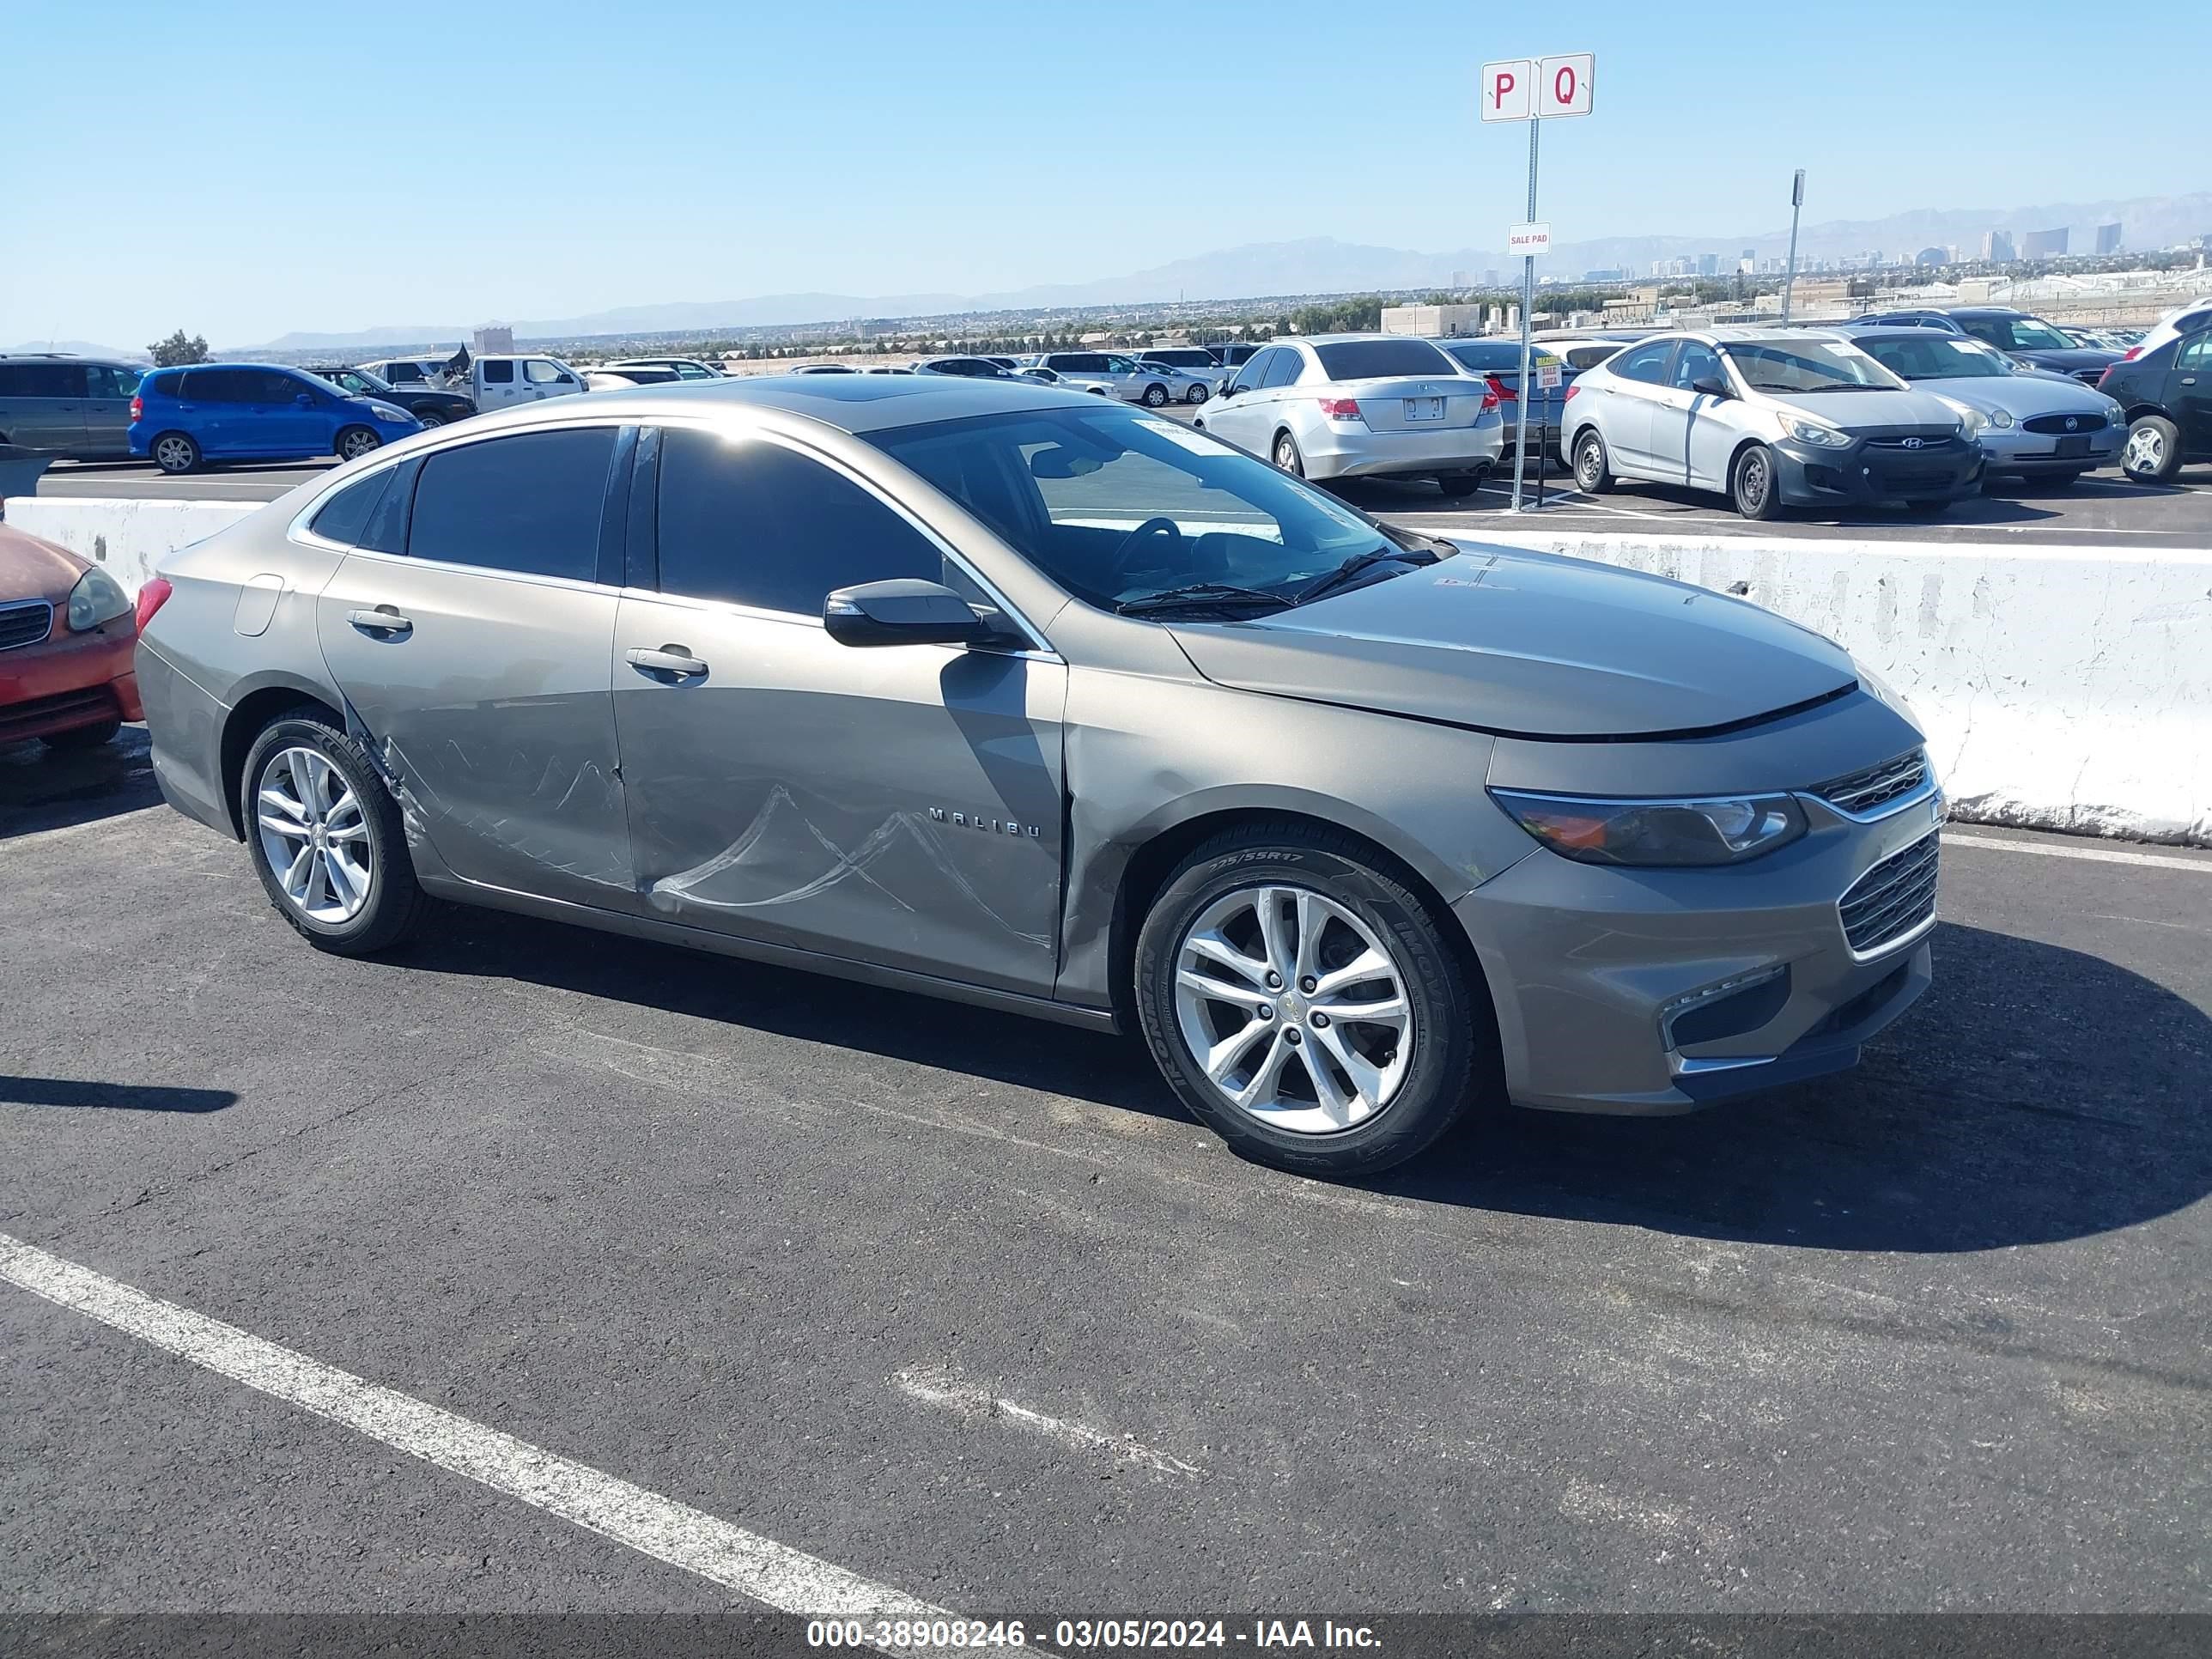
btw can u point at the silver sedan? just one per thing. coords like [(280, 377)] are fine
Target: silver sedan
[(1361, 406), (2035, 425)]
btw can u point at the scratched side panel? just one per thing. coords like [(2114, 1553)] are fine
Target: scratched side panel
[(900, 805)]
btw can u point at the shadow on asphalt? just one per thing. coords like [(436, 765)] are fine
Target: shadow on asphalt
[(2035, 1093), (43, 788), (111, 1096)]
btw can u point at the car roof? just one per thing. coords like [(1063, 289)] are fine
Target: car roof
[(241, 362), (851, 403), (69, 357)]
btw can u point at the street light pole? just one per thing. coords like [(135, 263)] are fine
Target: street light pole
[(1789, 277)]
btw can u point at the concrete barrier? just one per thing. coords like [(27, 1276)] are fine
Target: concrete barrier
[(128, 538), (2062, 687)]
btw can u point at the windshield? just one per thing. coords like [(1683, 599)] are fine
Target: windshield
[(2017, 333), (1791, 367), (1936, 357), (1115, 504), (1375, 360)]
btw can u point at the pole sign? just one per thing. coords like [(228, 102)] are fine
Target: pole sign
[(1509, 90), (1526, 241), (1563, 84), (1547, 375)]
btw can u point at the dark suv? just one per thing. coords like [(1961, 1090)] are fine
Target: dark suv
[(2016, 333), (426, 404), (2167, 394), (77, 407)]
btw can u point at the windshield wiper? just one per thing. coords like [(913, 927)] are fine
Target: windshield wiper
[(1198, 596), (1352, 567)]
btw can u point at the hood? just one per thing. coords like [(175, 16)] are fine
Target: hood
[(1859, 412), (1531, 644), (33, 569), (2070, 361), (2021, 395)]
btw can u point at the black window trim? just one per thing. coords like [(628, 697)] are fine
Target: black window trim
[(1039, 649)]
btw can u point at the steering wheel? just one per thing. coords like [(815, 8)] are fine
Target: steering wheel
[(1156, 527)]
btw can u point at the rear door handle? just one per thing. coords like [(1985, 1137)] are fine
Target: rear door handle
[(673, 660), (383, 620)]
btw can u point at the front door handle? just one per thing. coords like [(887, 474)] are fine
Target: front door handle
[(383, 621), (674, 660)]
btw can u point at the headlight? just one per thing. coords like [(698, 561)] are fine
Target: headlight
[(96, 599), (390, 412), (1970, 420), (1724, 831), (1813, 433), (2000, 418)]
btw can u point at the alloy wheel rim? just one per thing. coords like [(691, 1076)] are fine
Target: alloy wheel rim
[(429, 421), (2145, 449), (315, 834), (1286, 455), (173, 451), (1294, 1010), (358, 444)]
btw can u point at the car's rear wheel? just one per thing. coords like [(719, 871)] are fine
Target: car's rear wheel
[(325, 836), (1155, 395), (1287, 456), (84, 737), (1753, 485), (1459, 485), (176, 453), (1593, 466), (1306, 1004), (1197, 394), (355, 441), (2153, 454)]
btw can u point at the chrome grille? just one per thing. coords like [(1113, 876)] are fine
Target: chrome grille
[(1864, 794), (25, 623), (1892, 899)]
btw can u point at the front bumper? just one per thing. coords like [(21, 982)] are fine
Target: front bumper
[(1862, 475), (1660, 991), (1346, 450), (2015, 450), (67, 681)]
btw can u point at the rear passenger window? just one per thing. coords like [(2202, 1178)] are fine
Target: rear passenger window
[(1646, 363), (530, 503), (499, 373), (758, 524), (345, 515)]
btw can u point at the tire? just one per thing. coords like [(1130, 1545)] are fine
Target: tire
[(1155, 395), (392, 903), (1415, 1077), (176, 453), (2153, 451), (85, 737), (355, 441), (429, 421), (1286, 457), (1197, 394), (1593, 464), (1753, 486), (1458, 486)]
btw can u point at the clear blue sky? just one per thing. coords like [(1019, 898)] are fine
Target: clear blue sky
[(240, 170)]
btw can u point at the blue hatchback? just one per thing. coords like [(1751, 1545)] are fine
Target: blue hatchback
[(254, 411)]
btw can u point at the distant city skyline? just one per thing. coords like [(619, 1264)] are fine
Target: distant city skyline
[(698, 151)]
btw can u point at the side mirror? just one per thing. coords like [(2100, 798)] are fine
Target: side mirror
[(1229, 390), (305, 399), (904, 612), (1706, 386)]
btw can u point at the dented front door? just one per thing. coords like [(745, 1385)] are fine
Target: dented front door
[(900, 805)]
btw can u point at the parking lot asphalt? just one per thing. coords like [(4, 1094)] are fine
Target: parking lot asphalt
[(962, 1305), (2102, 510)]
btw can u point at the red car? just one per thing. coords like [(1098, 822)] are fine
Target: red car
[(67, 630)]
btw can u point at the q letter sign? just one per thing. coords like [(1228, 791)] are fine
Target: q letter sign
[(1544, 88)]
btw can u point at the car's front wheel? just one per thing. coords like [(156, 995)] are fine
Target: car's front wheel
[(2153, 454), (355, 442), (1197, 394), (429, 420), (325, 836), (176, 453), (1753, 485), (1306, 1004)]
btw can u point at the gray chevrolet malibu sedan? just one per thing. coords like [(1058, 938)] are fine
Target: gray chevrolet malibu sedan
[(1015, 696)]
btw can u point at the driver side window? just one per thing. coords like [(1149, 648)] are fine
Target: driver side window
[(1696, 362)]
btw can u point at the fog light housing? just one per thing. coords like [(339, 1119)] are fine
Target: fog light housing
[(1725, 1008)]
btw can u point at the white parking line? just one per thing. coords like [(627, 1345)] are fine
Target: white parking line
[(2090, 855), (760, 1568), (937, 1387)]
